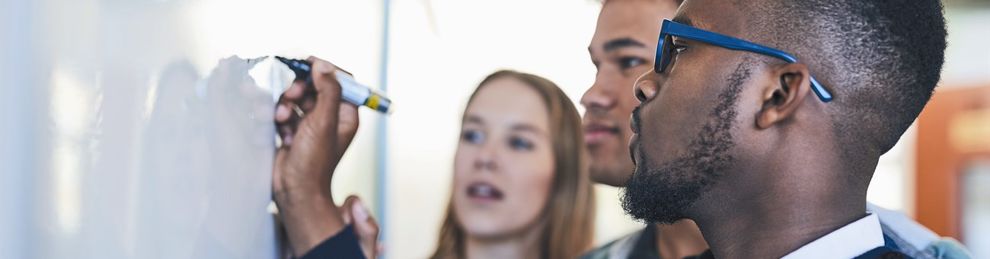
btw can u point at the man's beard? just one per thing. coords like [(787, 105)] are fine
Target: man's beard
[(663, 194)]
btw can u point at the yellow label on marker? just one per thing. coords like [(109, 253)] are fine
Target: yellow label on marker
[(372, 102)]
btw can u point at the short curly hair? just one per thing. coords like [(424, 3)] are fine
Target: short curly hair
[(881, 59)]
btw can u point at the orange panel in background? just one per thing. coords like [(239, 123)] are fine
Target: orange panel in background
[(953, 131)]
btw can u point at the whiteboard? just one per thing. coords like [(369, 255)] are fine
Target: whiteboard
[(126, 133), (206, 154), (190, 177)]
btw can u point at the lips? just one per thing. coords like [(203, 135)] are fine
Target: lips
[(595, 133), (634, 140), (484, 192), (634, 121), (633, 147)]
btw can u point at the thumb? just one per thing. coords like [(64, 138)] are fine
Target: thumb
[(366, 227)]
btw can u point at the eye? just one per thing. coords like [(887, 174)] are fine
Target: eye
[(631, 62), (472, 136), (521, 144)]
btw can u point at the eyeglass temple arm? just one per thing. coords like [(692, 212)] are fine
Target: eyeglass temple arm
[(679, 30)]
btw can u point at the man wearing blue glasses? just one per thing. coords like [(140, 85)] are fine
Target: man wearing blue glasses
[(623, 47), (763, 120)]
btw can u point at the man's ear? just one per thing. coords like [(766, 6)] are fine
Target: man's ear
[(789, 86)]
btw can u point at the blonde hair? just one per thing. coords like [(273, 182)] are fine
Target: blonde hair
[(569, 212)]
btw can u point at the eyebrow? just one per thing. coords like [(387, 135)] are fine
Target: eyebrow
[(622, 43), (527, 127), (515, 127), (473, 119)]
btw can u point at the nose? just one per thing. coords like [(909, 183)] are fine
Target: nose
[(599, 97), (647, 86), (485, 160)]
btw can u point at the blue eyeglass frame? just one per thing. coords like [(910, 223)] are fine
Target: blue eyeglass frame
[(671, 28)]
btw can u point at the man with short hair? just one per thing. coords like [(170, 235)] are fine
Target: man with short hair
[(764, 120)]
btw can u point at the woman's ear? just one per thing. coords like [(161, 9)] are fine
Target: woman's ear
[(784, 94)]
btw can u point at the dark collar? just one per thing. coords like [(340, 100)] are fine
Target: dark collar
[(646, 244), (888, 251)]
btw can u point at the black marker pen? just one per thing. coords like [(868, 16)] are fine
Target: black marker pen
[(350, 90)]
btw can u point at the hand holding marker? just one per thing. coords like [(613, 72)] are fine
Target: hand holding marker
[(351, 91)]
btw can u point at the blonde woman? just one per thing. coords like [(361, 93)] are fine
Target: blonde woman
[(521, 187)]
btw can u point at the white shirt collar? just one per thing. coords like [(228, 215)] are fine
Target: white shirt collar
[(850, 241)]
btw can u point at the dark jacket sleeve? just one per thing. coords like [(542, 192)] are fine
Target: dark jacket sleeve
[(343, 245)]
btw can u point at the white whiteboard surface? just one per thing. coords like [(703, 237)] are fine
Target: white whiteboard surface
[(120, 137), (190, 177), (205, 162)]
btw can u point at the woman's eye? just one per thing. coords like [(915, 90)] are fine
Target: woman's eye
[(472, 136), (518, 143), (631, 62), (678, 49)]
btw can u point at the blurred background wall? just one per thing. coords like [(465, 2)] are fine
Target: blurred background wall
[(76, 77)]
